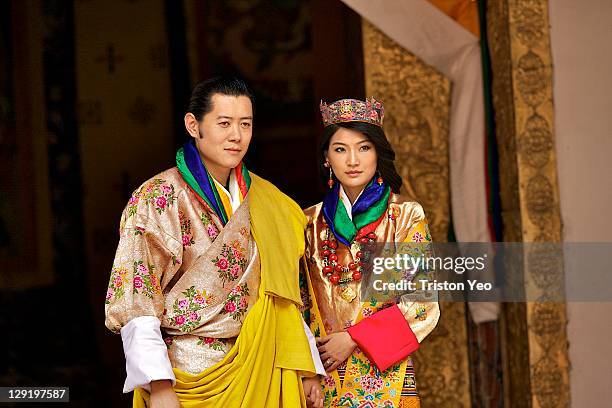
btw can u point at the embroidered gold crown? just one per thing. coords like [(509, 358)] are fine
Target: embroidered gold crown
[(353, 110)]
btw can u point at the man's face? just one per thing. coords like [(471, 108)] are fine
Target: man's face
[(225, 132)]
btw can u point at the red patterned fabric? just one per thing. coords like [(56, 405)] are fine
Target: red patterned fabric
[(385, 337)]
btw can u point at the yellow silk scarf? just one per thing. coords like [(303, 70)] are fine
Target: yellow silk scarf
[(264, 367)]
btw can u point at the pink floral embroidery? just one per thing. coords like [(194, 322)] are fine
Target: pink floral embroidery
[(115, 291), (230, 307), (211, 229), (418, 237), (155, 283), (133, 204), (157, 193), (222, 263), (161, 202), (371, 385), (243, 303), (231, 262), (211, 342), (145, 282), (186, 316), (235, 270), (186, 230), (364, 384), (237, 302), (329, 381)]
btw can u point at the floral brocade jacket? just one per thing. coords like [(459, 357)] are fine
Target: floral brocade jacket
[(176, 261), (358, 382)]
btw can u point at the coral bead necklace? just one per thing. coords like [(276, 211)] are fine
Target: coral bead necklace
[(335, 271)]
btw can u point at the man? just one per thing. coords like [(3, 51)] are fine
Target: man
[(204, 288)]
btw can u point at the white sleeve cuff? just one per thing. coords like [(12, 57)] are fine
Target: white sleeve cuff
[(314, 351), (146, 355)]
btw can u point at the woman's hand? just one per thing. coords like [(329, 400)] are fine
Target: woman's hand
[(313, 392), (335, 349), (163, 395)]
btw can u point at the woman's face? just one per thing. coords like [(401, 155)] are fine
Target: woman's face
[(353, 159)]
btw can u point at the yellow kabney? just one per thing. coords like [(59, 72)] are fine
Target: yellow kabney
[(265, 366)]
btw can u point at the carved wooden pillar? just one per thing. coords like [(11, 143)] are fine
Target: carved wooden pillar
[(536, 369)]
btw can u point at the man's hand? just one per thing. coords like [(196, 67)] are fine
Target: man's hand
[(335, 349), (312, 390), (163, 395)]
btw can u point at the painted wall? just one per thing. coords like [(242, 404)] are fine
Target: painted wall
[(581, 34)]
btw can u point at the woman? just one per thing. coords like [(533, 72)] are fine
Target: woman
[(364, 346)]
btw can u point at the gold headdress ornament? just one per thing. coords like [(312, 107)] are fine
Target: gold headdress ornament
[(353, 110)]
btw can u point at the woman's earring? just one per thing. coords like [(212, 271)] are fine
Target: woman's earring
[(330, 182), (379, 180)]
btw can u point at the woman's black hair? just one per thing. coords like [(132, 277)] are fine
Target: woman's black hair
[(384, 151), (200, 102)]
